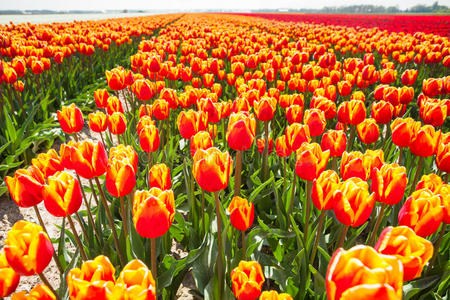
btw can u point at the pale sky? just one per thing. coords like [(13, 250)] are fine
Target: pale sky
[(197, 4)]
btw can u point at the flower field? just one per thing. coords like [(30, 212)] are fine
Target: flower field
[(270, 156)]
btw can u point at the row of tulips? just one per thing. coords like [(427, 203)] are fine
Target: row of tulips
[(292, 239)]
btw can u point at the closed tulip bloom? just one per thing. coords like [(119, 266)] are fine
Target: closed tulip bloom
[(241, 130), (101, 98), (296, 135), (160, 109), (39, 292), (190, 122), (344, 88), (28, 248), (389, 183), (120, 178), (159, 176), (323, 189), (372, 159), (273, 295), (315, 119), (432, 182), (117, 123), (265, 108), (9, 279), (116, 79), (412, 250), (247, 280), (125, 153), (89, 159), (388, 76), (212, 169), (311, 161), (62, 194), (425, 141), (70, 118), (432, 87), (261, 143), (362, 273), (281, 147), (144, 89), (145, 110), (335, 141), (443, 157), (433, 113), (113, 104), (325, 105), (422, 212), (352, 165), (409, 77), (26, 186), (153, 212), (201, 140), (368, 131), (241, 212), (98, 121), (135, 281), (382, 112), (93, 281), (48, 163), (403, 130), (294, 114), (351, 112), (213, 109), (149, 138)]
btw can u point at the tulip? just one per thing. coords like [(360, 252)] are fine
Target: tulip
[(159, 176), (281, 147), (335, 141), (212, 169), (368, 131), (323, 189), (351, 112), (241, 131), (433, 113), (352, 165), (26, 186), (48, 163), (362, 273), (71, 119), (422, 212), (62, 195), (294, 114), (117, 123), (432, 182), (40, 291), (241, 213), (28, 248), (98, 121), (213, 110), (135, 281), (311, 161), (409, 77), (382, 112), (144, 89), (113, 105), (247, 280), (9, 279), (116, 79), (413, 251), (344, 88), (145, 110), (296, 135), (403, 130), (265, 108), (325, 105), (190, 122), (261, 143), (389, 183), (89, 160), (149, 138), (273, 295), (373, 159), (201, 140), (443, 157), (315, 119), (101, 98), (93, 281), (160, 109), (120, 177)]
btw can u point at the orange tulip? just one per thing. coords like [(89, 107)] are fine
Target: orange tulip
[(28, 248), (294, 114), (353, 203), (362, 273), (368, 131), (9, 279), (261, 143), (190, 122), (160, 109), (403, 130), (311, 161), (409, 77), (351, 112), (212, 169), (273, 295), (159, 176), (213, 109), (382, 112), (443, 155), (113, 105), (389, 183), (144, 89), (62, 194), (70, 118), (135, 281), (315, 119), (39, 292), (425, 141), (352, 165), (201, 140), (88, 159), (247, 280), (149, 138), (48, 163), (281, 147), (335, 141), (101, 98), (98, 121), (413, 251), (26, 186), (241, 212), (153, 212), (296, 135), (117, 123), (422, 212), (433, 113), (323, 190), (241, 130), (344, 88), (120, 177), (325, 105), (432, 182), (265, 108), (116, 79), (93, 281)]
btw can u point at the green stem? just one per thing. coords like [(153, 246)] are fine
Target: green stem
[(308, 207), (124, 216), (418, 173), (352, 137), (377, 224), (266, 150), (291, 203), (244, 246), (77, 238), (219, 245), (342, 236), (438, 245), (153, 258), (318, 233), (237, 174), (203, 212)]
